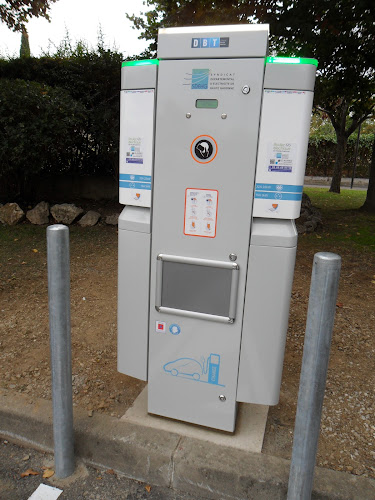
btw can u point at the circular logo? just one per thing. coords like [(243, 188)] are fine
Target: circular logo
[(203, 149), (175, 329)]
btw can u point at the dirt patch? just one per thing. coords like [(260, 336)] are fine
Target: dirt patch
[(348, 425), (24, 349)]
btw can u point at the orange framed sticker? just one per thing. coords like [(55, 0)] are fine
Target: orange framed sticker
[(201, 212), (203, 149)]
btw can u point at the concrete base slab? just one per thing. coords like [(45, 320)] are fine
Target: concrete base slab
[(248, 436)]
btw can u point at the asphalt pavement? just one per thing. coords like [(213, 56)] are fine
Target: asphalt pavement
[(87, 483)]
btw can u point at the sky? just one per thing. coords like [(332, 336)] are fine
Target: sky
[(82, 19)]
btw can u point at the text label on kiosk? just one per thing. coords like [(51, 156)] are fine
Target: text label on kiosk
[(210, 43)]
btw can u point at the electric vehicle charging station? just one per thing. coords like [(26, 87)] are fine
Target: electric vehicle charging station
[(213, 145)]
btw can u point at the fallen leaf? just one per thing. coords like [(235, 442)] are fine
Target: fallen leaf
[(29, 472), (339, 304), (148, 488), (48, 473), (110, 471), (35, 250), (26, 457)]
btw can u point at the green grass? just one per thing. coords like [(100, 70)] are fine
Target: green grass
[(344, 224), (348, 199)]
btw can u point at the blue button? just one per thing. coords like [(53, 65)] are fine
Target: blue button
[(175, 329)]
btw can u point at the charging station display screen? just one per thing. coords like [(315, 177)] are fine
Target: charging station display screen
[(206, 103), (196, 288)]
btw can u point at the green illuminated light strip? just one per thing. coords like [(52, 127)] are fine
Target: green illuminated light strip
[(143, 62), (291, 60)]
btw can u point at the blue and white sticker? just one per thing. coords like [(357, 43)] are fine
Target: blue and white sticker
[(281, 157), (175, 329)]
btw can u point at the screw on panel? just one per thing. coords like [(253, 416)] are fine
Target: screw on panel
[(188, 115), (223, 116), (222, 398), (232, 257), (245, 89)]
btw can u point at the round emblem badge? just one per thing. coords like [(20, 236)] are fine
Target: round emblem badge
[(175, 329), (203, 149)]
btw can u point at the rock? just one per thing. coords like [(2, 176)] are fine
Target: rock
[(89, 219), (112, 220), (39, 214), (11, 214), (65, 213), (310, 218)]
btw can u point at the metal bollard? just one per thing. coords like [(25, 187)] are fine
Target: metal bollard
[(319, 325), (61, 356)]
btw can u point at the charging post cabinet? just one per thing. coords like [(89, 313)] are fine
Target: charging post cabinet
[(213, 144)]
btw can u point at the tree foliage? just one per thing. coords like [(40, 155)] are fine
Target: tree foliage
[(339, 34), (42, 127), (16, 13), (86, 82), (25, 46)]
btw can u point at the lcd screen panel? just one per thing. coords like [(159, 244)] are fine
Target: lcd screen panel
[(196, 288), (206, 103)]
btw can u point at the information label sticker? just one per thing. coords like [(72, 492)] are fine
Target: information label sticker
[(281, 157), (134, 150), (201, 212)]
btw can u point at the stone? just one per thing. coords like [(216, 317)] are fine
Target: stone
[(89, 219), (310, 218), (112, 220), (11, 214), (39, 214), (66, 213)]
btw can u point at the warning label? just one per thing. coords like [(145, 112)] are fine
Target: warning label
[(200, 212)]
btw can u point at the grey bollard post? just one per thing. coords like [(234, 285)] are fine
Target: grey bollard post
[(319, 325), (61, 356)]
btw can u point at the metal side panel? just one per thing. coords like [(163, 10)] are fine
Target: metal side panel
[(137, 109), (281, 162), (267, 301), (133, 302), (139, 77), (290, 76)]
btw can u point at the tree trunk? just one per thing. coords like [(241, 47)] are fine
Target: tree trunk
[(339, 161), (369, 203)]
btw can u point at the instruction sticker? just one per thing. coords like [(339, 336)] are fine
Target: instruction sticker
[(201, 212), (281, 156), (134, 153)]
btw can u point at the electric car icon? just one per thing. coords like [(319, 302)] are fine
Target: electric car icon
[(184, 367)]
